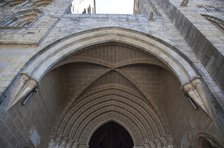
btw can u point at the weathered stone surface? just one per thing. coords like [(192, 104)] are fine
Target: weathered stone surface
[(130, 69)]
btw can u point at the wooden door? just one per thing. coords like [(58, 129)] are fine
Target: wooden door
[(111, 135)]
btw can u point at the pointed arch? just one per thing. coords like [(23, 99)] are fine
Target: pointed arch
[(39, 65), (111, 133), (45, 60)]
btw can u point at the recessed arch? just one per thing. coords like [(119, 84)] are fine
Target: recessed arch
[(44, 61), (69, 111), (116, 120), (107, 103), (49, 56), (144, 114), (205, 140)]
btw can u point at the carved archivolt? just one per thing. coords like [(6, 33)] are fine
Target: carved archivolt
[(105, 104)]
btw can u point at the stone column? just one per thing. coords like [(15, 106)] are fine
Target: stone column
[(150, 145), (69, 143), (169, 142), (63, 143), (158, 143), (164, 142), (57, 142), (75, 145)]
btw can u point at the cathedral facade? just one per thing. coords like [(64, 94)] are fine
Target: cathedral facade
[(151, 79)]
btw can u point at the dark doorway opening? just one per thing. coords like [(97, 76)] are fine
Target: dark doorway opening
[(111, 135)]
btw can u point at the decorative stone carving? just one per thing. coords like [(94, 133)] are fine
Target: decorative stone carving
[(20, 83), (184, 3), (63, 143), (169, 142), (158, 143), (58, 141), (195, 90), (163, 141), (69, 144), (24, 87), (51, 143)]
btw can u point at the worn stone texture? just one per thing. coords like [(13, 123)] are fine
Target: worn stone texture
[(112, 81)]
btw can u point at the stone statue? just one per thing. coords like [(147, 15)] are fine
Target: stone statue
[(184, 3)]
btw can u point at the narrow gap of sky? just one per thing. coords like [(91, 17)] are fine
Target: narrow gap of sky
[(114, 6)]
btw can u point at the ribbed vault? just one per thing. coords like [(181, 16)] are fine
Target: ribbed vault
[(112, 93)]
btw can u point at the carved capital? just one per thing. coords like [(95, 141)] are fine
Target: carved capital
[(196, 92), (19, 84), (23, 87), (69, 143)]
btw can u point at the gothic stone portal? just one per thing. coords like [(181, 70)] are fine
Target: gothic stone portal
[(111, 135)]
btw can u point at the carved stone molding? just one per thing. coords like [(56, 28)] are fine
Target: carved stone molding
[(219, 23), (196, 92), (25, 85)]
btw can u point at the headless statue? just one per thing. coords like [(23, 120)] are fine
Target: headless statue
[(184, 3)]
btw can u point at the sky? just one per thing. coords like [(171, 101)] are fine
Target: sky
[(114, 6)]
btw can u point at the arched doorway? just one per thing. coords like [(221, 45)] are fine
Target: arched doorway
[(105, 78), (207, 141), (111, 135)]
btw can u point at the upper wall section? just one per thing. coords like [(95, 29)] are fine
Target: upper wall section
[(21, 19), (195, 21), (26, 22)]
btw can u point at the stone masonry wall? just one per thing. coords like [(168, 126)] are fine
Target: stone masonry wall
[(38, 113), (184, 121), (183, 28), (203, 37)]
